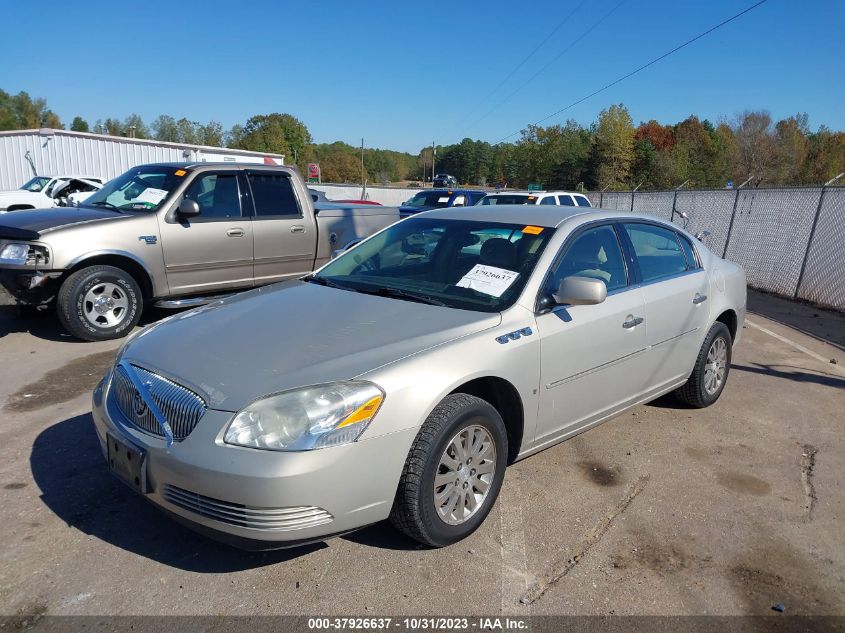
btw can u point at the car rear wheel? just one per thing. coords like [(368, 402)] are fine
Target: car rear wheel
[(99, 303), (710, 373), (453, 472)]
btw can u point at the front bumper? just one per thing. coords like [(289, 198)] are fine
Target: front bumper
[(31, 287), (261, 499)]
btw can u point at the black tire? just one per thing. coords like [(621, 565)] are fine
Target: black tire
[(71, 304), (694, 392), (414, 511)]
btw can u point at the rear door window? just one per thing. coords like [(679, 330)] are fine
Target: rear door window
[(657, 251), (566, 201), (273, 195)]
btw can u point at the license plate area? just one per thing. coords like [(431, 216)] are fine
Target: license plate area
[(127, 463)]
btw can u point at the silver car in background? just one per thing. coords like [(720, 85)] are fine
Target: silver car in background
[(402, 378)]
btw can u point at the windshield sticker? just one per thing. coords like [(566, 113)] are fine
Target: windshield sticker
[(153, 196), (443, 199), (533, 230), (488, 279), (179, 172), (142, 205)]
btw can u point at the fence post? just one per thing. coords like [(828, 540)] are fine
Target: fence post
[(730, 226), (674, 202), (810, 242)]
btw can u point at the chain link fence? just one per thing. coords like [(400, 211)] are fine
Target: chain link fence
[(791, 241)]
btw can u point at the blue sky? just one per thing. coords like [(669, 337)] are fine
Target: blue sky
[(402, 75)]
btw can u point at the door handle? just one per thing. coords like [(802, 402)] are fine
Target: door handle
[(235, 233), (699, 298), (632, 321), (297, 228)]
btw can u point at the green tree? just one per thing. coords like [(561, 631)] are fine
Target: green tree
[(135, 124), (792, 149), (165, 129), (614, 148), (275, 133), (79, 124)]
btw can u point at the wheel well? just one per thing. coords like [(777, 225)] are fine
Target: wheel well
[(505, 399), (728, 317), (124, 263), (19, 207)]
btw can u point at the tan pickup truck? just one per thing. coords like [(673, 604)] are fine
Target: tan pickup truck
[(173, 235)]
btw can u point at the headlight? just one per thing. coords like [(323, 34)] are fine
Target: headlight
[(304, 419), (14, 254)]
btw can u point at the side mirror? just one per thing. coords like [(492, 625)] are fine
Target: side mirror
[(188, 209), (580, 291)]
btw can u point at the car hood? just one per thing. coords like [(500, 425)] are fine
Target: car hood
[(40, 221), (289, 335)]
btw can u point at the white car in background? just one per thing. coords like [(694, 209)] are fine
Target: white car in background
[(561, 198), (43, 192)]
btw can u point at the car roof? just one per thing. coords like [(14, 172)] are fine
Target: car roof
[(534, 215), (535, 193)]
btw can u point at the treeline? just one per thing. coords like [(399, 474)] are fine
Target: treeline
[(611, 153)]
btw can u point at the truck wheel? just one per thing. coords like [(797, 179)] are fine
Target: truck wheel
[(453, 472), (99, 303), (711, 369)]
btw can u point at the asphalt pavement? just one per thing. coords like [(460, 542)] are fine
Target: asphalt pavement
[(663, 510)]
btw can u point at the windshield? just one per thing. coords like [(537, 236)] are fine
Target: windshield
[(36, 184), (469, 265), (511, 198), (139, 189), (436, 199)]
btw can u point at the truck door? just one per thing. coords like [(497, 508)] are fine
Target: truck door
[(213, 251), (285, 237)]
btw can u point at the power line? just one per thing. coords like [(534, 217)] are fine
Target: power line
[(552, 61), (526, 58), (643, 67)]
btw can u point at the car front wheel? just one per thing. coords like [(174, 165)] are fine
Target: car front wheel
[(710, 373), (99, 303), (453, 472)]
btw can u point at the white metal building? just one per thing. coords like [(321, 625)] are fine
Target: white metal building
[(48, 152)]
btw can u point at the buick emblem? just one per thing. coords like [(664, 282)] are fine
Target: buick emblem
[(139, 407)]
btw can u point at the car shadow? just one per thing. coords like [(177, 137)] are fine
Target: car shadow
[(383, 535), (75, 483), (45, 324), (796, 374), (819, 323)]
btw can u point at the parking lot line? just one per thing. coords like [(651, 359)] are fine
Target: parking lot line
[(798, 346)]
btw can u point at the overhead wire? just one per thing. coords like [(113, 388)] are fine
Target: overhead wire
[(572, 44), (643, 67)]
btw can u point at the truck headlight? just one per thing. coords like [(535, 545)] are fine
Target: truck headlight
[(304, 419), (14, 254)]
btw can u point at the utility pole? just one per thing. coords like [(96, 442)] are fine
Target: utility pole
[(362, 162), (433, 154)]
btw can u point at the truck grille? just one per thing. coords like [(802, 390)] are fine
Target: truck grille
[(182, 408), (279, 519)]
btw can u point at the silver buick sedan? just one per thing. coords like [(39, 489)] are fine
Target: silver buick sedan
[(401, 379)]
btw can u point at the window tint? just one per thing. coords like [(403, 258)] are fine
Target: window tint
[(692, 262), (595, 254), (566, 201), (217, 196), (582, 201), (548, 200), (657, 250), (272, 195)]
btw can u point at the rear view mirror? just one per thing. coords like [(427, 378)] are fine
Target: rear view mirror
[(580, 291), (413, 245), (188, 208)]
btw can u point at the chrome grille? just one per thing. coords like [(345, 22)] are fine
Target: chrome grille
[(182, 408), (292, 518)]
